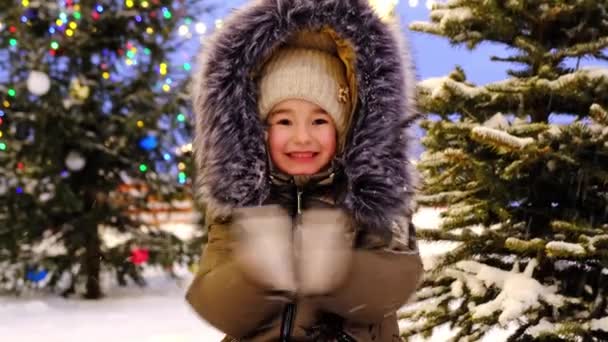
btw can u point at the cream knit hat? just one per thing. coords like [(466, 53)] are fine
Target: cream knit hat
[(310, 74)]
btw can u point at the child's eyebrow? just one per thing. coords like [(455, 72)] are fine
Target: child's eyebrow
[(290, 111), (280, 111)]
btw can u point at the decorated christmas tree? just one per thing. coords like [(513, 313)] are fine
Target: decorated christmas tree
[(94, 127), (520, 168)]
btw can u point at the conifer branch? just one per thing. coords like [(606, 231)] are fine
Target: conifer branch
[(599, 114), (578, 50), (499, 139)]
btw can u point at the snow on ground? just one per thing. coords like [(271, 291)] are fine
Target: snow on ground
[(157, 313)]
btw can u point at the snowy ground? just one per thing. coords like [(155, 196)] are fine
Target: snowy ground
[(157, 313)]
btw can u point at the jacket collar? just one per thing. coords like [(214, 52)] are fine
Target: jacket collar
[(323, 177)]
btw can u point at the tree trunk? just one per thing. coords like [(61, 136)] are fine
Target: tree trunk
[(92, 263)]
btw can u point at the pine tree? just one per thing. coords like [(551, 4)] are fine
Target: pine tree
[(525, 194), (94, 123)]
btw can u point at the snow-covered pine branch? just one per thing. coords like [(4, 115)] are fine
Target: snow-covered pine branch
[(599, 114), (425, 26), (547, 328), (564, 249), (444, 87), (444, 197), (525, 246), (499, 138), (451, 16), (569, 81), (519, 291), (578, 49)]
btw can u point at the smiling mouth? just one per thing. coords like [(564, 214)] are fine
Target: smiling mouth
[(302, 155)]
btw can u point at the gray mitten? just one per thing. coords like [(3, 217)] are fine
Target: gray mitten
[(264, 247), (324, 245)]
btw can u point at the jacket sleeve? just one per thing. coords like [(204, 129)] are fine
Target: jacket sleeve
[(222, 295), (381, 280)]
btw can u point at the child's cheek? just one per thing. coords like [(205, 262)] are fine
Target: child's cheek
[(275, 139)]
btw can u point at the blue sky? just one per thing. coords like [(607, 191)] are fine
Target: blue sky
[(433, 55)]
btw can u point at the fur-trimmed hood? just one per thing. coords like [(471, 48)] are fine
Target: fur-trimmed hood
[(229, 144)]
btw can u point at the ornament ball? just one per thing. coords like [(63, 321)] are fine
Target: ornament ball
[(38, 83), (75, 161)]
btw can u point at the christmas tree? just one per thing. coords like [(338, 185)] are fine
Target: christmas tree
[(94, 125), (521, 168)]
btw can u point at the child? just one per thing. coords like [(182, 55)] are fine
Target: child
[(301, 147)]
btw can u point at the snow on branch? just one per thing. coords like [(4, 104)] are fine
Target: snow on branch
[(596, 243), (500, 138), (520, 292), (588, 74), (432, 159), (447, 156), (564, 249), (448, 16), (599, 324), (559, 226), (444, 197), (579, 49), (517, 245), (599, 114), (569, 81), (440, 87), (543, 327), (497, 121), (424, 26), (463, 208), (462, 278), (547, 328)]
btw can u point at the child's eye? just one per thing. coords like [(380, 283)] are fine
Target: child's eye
[(284, 122), (320, 121)]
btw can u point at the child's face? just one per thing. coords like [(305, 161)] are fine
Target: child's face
[(301, 137)]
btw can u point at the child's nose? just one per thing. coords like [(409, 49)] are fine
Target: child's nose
[(302, 135)]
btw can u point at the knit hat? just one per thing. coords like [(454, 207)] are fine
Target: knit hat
[(307, 69)]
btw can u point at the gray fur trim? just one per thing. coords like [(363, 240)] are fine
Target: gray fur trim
[(229, 143)]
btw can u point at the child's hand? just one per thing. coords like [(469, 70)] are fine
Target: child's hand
[(324, 250), (264, 247)]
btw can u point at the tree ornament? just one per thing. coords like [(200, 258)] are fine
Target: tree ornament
[(148, 142), (36, 275), (139, 256), (45, 197), (79, 91), (75, 161), (38, 83)]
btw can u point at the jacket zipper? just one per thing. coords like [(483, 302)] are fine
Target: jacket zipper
[(289, 312), (299, 194)]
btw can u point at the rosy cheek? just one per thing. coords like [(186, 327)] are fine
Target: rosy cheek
[(329, 140), (276, 140)]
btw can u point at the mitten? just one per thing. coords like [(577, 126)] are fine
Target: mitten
[(324, 244), (263, 247)]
